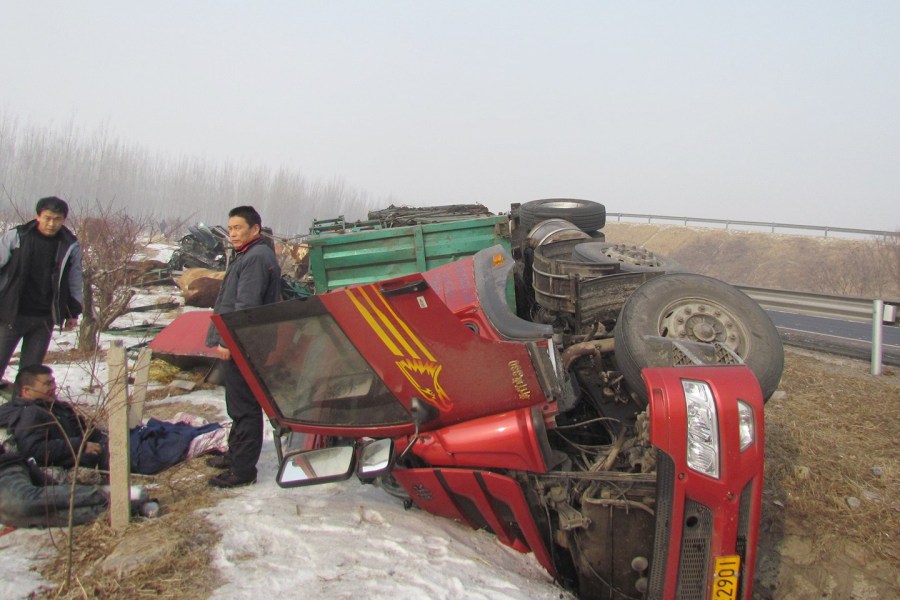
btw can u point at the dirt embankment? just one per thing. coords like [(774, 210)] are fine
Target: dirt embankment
[(865, 268), (831, 500)]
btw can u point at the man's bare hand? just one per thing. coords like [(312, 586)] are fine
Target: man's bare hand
[(223, 353), (71, 323), (92, 448)]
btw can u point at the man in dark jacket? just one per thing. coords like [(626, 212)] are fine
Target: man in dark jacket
[(52, 432), (48, 429), (40, 283), (253, 278)]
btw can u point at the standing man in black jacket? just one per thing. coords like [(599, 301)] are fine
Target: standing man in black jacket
[(40, 283), (253, 278)]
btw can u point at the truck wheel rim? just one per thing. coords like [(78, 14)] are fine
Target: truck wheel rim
[(699, 320)]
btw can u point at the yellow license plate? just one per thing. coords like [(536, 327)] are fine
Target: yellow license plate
[(725, 578)]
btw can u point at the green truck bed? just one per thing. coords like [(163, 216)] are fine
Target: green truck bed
[(339, 259)]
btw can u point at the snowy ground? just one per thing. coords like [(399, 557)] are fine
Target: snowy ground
[(348, 540), (343, 540)]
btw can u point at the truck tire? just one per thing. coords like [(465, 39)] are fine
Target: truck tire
[(698, 309), (584, 214), (631, 259)]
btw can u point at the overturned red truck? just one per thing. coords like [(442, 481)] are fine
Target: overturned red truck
[(586, 402)]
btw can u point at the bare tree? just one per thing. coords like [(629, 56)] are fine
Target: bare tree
[(109, 240)]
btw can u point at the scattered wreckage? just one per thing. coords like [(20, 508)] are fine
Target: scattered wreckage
[(587, 402)]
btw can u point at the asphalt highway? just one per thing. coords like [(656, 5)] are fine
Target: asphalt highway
[(844, 338)]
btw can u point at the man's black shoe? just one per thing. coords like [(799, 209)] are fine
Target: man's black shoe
[(221, 461), (229, 480)]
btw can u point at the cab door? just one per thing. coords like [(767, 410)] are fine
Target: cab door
[(351, 361)]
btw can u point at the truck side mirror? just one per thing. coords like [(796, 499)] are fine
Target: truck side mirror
[(310, 467), (375, 458)]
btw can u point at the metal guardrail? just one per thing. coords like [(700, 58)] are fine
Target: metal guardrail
[(846, 308), (771, 226), (863, 310)]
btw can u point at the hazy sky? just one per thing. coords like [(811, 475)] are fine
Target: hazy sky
[(771, 111)]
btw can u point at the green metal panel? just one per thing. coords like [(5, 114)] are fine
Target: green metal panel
[(340, 259), (421, 249)]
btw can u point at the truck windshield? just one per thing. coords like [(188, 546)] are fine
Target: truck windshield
[(310, 371)]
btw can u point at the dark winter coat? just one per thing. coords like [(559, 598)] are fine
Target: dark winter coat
[(50, 432), (14, 460), (253, 278), (68, 280)]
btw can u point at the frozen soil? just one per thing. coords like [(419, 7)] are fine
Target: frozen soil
[(831, 503)]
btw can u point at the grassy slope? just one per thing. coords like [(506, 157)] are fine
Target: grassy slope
[(866, 268)]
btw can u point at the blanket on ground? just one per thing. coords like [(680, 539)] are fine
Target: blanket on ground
[(158, 445)]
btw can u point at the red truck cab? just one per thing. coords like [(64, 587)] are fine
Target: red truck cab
[(505, 424)]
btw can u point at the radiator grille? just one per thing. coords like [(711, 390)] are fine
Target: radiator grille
[(665, 486), (742, 532), (697, 532)]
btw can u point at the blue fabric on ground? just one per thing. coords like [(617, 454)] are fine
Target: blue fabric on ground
[(158, 445)]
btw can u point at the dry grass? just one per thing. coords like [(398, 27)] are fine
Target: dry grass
[(824, 440), (866, 268), (73, 355), (183, 570), (162, 372)]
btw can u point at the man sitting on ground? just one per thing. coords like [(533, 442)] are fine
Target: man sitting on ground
[(52, 432)]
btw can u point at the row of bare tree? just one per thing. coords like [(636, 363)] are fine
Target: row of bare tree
[(91, 168)]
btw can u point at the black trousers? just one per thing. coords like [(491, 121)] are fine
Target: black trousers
[(34, 333), (246, 435)]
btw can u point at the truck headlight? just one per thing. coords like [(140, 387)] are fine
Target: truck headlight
[(746, 424), (702, 428)]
